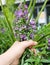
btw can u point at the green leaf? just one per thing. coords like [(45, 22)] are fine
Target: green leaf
[(26, 64), (45, 60), (33, 6), (10, 2), (42, 33), (30, 60), (9, 14), (30, 5)]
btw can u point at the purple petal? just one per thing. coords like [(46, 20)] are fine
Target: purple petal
[(24, 26), (32, 22), (25, 12), (31, 35), (16, 28), (33, 26), (25, 6), (19, 13), (26, 18), (22, 36), (48, 40)]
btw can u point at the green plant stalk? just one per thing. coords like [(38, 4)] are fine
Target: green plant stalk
[(41, 53), (32, 10), (22, 60), (24, 2), (8, 24), (44, 50), (38, 46), (30, 6), (43, 37), (48, 25), (8, 34), (41, 45), (41, 10), (46, 33)]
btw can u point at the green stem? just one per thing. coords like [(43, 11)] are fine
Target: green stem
[(8, 33), (22, 60), (43, 37), (41, 10), (41, 45), (38, 46), (41, 53), (32, 10), (30, 6), (24, 2), (8, 24)]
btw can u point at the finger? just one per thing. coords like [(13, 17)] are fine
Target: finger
[(28, 43), (33, 50), (30, 46)]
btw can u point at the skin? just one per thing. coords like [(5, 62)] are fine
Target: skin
[(13, 54)]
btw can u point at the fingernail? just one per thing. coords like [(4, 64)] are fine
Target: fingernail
[(35, 43)]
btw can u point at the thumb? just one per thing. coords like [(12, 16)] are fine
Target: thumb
[(26, 44)]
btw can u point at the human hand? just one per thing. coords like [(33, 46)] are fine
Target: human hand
[(20, 48), (13, 54)]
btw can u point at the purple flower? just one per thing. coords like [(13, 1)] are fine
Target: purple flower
[(19, 13), (25, 12), (48, 44), (26, 18), (48, 40), (32, 22), (24, 26), (16, 28), (33, 27), (31, 35), (23, 37), (25, 6), (28, 27)]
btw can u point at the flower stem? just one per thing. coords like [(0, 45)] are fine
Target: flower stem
[(41, 10), (43, 37), (30, 6), (38, 46), (22, 60), (24, 2), (33, 6), (41, 45)]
